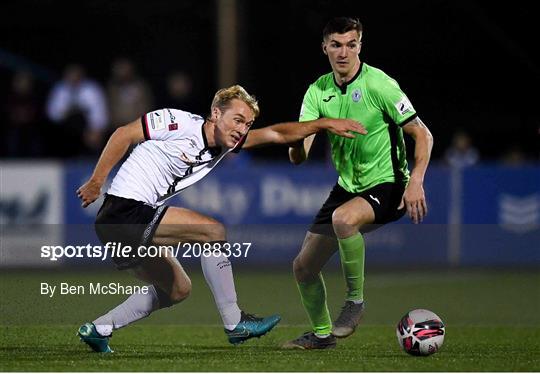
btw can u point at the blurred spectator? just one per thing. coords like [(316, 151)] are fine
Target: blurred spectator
[(78, 105), (180, 94), (461, 152), (129, 95), (24, 117)]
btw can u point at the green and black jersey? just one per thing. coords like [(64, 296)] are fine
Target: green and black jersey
[(376, 101)]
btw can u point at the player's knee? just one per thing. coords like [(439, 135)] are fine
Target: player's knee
[(342, 217), (206, 230), (214, 231), (180, 292), (302, 272), (343, 221)]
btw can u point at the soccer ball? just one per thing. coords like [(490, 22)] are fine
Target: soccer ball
[(420, 332)]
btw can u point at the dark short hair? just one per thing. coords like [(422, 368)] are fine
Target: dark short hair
[(341, 25)]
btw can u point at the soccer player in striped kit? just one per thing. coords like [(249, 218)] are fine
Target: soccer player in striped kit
[(176, 149)]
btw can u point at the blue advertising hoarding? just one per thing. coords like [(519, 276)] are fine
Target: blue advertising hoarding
[(273, 205)]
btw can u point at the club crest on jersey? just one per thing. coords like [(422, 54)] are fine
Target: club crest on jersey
[(171, 115), (173, 126), (356, 95)]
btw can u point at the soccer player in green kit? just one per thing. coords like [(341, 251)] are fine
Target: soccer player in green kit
[(374, 185)]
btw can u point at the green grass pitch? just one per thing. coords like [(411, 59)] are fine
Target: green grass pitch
[(492, 324)]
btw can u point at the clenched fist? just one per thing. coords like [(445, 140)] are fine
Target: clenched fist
[(89, 192)]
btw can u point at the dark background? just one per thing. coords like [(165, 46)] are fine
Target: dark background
[(463, 64)]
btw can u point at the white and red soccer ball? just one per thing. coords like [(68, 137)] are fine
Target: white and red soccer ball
[(420, 332)]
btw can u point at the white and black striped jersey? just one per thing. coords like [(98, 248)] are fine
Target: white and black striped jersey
[(174, 156)]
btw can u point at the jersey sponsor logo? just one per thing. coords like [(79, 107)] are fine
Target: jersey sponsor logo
[(157, 121), (171, 115), (356, 95), (404, 105), (375, 199), (328, 98), (173, 126)]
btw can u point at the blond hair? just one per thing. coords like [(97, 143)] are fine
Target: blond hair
[(222, 99)]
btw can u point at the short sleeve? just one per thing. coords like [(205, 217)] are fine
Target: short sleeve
[(393, 101), (162, 124), (309, 110)]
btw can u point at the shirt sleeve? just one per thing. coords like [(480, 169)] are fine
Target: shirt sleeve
[(309, 110), (162, 124), (393, 101)]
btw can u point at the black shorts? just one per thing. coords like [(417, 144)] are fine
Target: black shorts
[(129, 223), (384, 198)]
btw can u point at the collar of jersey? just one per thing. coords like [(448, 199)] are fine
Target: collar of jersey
[(214, 151), (343, 87)]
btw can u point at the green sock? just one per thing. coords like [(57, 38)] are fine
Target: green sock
[(352, 254), (314, 299)]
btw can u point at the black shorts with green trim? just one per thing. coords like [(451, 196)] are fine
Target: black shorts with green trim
[(384, 198), (127, 222)]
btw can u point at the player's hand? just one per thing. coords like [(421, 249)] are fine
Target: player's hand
[(414, 199), (89, 192), (345, 127)]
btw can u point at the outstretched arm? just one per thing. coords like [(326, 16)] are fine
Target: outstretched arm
[(113, 152), (414, 197), (299, 152), (291, 132)]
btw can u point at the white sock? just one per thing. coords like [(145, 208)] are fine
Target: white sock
[(136, 306), (218, 273)]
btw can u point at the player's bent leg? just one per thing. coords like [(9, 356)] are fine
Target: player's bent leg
[(347, 220), (180, 225), (238, 326), (169, 284), (349, 217), (183, 225), (315, 252)]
